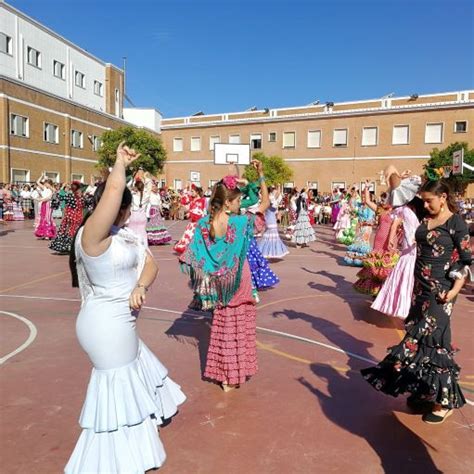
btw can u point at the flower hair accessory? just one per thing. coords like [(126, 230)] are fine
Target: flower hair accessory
[(434, 174), (230, 182)]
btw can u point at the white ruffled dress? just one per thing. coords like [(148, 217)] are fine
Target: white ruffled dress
[(129, 392)]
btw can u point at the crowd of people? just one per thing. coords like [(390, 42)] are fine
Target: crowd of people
[(411, 243)]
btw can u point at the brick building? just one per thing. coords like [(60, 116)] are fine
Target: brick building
[(56, 100), (325, 144)]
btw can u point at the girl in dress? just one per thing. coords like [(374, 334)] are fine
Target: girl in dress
[(303, 233), (361, 246), (343, 221), (270, 245), (379, 263), (197, 209), (394, 299), (26, 202), (140, 200), (216, 260), (46, 227), (17, 210), (129, 392), (155, 229), (423, 363), (73, 214)]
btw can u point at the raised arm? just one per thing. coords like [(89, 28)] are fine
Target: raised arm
[(95, 238), (265, 203), (367, 199)]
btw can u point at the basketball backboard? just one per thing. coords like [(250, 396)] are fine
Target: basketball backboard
[(231, 153)]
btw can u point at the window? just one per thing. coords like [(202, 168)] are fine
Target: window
[(314, 139), (178, 184), (460, 127), (20, 176), (369, 136), (19, 125), (272, 137), (289, 139), (340, 185), (195, 143), (177, 144), (117, 102), (80, 80), (53, 175), (96, 143), (59, 70), (213, 140), (234, 138), (6, 44), (51, 133), (34, 57), (77, 177), (401, 135), (256, 141), (98, 88), (434, 133), (339, 137), (312, 185), (77, 139)]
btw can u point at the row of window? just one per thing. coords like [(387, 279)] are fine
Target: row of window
[(20, 127), (370, 137), (34, 58), (24, 176)]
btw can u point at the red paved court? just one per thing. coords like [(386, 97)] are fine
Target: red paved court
[(307, 411)]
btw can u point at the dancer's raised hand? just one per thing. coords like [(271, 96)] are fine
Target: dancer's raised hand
[(126, 155)]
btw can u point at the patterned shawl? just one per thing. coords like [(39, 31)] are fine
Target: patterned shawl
[(215, 266)]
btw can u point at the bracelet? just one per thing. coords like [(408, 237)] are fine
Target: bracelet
[(261, 179), (141, 285)]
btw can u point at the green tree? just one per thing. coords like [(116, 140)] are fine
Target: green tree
[(444, 157), (275, 169), (153, 154)]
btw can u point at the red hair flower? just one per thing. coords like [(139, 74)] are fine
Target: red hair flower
[(230, 182)]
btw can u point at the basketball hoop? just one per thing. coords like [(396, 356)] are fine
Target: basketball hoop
[(447, 171)]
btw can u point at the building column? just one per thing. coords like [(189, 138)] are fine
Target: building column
[(4, 140), (67, 148)]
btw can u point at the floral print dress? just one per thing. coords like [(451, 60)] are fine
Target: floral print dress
[(423, 362)]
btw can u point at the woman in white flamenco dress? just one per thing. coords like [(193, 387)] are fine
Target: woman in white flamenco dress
[(129, 392)]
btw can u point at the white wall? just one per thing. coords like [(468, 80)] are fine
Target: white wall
[(27, 33), (149, 118)]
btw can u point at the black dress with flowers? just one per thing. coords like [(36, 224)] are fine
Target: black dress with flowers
[(423, 362)]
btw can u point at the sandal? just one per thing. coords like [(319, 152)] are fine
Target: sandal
[(433, 419)]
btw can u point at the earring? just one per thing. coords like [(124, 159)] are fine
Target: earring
[(442, 207)]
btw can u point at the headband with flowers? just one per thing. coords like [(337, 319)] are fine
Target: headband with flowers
[(434, 174)]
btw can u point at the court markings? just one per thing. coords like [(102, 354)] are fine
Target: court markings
[(29, 340), (259, 329)]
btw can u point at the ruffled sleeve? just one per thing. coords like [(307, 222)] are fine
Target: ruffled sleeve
[(462, 243)]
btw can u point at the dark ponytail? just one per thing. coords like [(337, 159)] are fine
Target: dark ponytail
[(220, 194), (441, 187), (126, 202)]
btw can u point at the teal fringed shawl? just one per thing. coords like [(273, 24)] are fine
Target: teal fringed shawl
[(215, 266)]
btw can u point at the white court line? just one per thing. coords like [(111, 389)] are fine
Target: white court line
[(29, 341), (262, 329)]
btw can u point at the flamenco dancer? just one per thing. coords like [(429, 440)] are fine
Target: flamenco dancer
[(423, 363), (262, 275), (270, 245), (140, 201), (156, 231), (129, 392), (216, 260), (361, 246), (73, 214), (379, 263), (303, 233), (46, 227), (197, 209)]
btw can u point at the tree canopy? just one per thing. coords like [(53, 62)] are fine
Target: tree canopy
[(444, 157), (153, 154), (274, 167)]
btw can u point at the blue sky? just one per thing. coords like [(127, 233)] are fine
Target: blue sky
[(227, 55)]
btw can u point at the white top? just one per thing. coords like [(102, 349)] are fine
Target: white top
[(46, 194), (25, 194)]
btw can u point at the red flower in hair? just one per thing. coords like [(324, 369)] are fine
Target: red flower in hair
[(230, 182)]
